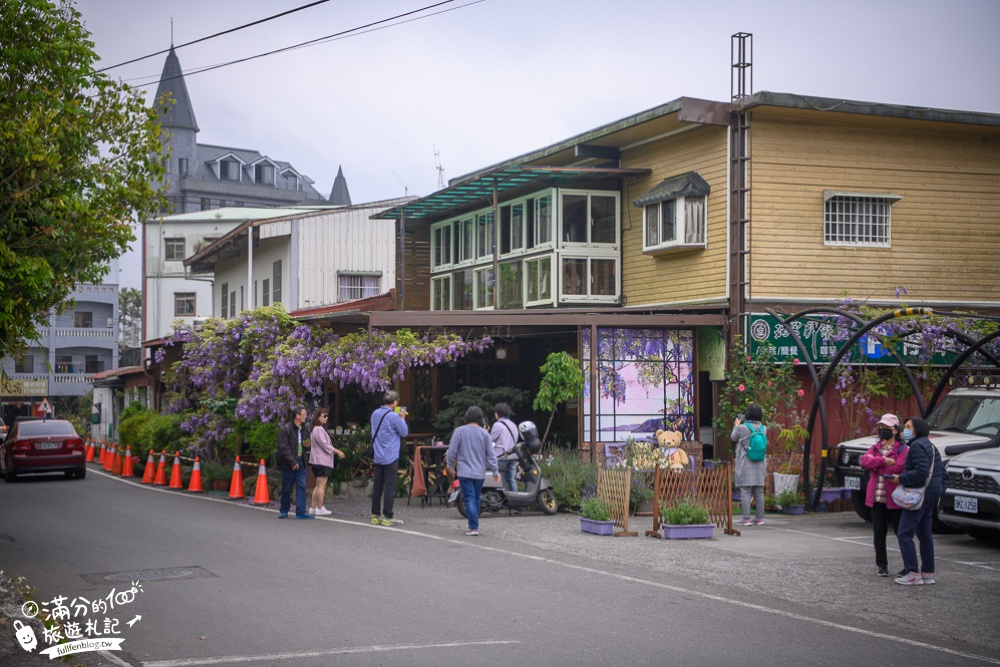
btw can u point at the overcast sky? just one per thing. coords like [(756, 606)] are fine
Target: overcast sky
[(491, 79)]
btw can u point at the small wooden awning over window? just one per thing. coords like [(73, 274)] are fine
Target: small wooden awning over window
[(690, 184)]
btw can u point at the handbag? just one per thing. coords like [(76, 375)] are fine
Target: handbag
[(370, 452), (912, 498)]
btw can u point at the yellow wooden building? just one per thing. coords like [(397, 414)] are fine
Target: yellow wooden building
[(685, 217)]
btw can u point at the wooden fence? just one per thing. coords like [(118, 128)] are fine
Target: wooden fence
[(710, 487), (613, 487)]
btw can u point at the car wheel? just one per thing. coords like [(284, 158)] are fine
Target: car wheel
[(10, 475), (862, 510), (81, 473)]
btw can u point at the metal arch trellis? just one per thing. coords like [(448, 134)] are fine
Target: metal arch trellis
[(974, 346)]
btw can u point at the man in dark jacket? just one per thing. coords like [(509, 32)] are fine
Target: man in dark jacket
[(923, 467), (291, 462)]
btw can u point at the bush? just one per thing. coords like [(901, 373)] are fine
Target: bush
[(595, 509), (568, 476), (157, 433), (130, 427), (448, 419), (262, 440), (684, 513)]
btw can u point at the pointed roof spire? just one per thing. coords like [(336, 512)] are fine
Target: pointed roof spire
[(339, 196), (180, 114)]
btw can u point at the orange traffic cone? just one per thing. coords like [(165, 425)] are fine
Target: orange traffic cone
[(116, 468), (195, 485), (90, 451), (175, 473), (127, 463), (150, 470), (103, 453), (236, 486), (109, 459), (262, 496), (161, 470)]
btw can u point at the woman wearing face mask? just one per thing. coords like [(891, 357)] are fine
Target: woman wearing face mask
[(885, 458)]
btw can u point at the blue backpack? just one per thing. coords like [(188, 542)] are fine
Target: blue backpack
[(757, 449)]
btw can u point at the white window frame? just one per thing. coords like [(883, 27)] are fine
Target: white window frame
[(588, 243), (589, 297), (437, 231), (475, 288), (434, 296), (176, 242), (368, 285), (551, 259), (185, 297), (851, 232), (681, 225)]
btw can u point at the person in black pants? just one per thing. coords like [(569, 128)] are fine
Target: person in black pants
[(388, 428), (885, 457)]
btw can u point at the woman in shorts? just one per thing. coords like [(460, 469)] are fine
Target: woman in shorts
[(321, 460)]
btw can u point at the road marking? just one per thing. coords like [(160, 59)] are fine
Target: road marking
[(850, 540), (229, 659), (108, 655), (571, 566)]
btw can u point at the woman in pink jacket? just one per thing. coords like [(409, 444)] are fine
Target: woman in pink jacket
[(321, 460), (885, 457)]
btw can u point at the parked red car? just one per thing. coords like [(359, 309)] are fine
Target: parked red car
[(42, 445)]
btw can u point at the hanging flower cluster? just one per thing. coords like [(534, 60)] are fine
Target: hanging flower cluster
[(267, 362)]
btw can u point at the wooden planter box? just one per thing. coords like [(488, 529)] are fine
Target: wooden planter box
[(694, 531), (597, 527)]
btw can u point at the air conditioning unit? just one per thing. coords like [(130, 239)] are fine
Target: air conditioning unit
[(111, 323), (198, 321)]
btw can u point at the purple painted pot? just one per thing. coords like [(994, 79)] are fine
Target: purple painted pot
[(597, 527), (693, 531)]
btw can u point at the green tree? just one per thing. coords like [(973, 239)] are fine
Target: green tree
[(562, 381), (78, 155), (129, 326)]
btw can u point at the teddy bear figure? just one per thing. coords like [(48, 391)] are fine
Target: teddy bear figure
[(675, 458)]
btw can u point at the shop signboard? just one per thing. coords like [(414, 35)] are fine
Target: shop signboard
[(817, 334), (15, 387)]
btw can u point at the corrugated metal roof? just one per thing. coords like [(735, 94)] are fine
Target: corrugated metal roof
[(503, 180)]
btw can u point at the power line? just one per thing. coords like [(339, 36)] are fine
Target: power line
[(218, 34), (337, 35)]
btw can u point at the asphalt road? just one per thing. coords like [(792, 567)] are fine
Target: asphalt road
[(226, 584)]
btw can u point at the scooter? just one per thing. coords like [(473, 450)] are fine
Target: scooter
[(537, 489)]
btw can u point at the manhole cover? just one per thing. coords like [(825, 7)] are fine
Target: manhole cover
[(161, 574)]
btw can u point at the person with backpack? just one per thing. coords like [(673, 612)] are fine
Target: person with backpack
[(502, 435), (750, 436)]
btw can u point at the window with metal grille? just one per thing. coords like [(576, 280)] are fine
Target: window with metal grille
[(224, 301), (857, 219), (355, 286), (276, 282)]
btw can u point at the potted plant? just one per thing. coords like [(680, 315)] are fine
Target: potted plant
[(595, 517), (217, 475), (791, 502), (685, 520), (786, 478)]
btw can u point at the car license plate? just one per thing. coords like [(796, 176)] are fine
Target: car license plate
[(853, 483), (968, 505), (48, 445)]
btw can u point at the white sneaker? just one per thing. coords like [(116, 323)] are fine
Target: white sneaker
[(312, 510), (322, 511)]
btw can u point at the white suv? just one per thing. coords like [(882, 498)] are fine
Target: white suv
[(971, 500), (965, 419)]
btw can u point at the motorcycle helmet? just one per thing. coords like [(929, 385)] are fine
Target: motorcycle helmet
[(529, 434)]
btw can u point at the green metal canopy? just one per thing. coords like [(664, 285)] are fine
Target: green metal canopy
[(478, 190)]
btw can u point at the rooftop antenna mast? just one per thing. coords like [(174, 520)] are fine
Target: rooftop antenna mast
[(439, 167)]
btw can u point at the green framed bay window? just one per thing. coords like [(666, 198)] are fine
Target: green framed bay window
[(589, 218), (538, 273), (463, 283)]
